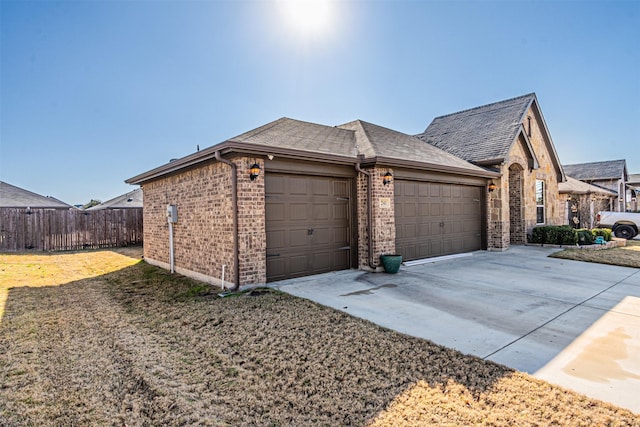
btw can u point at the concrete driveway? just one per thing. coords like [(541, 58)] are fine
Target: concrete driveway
[(570, 323)]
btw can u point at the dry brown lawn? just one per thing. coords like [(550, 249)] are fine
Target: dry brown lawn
[(626, 256), (99, 338)]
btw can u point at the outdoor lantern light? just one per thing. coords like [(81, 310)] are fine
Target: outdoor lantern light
[(386, 179), (254, 171), (492, 186)]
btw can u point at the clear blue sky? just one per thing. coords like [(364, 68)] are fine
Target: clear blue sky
[(95, 92)]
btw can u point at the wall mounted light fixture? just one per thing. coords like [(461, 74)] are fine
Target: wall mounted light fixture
[(386, 179), (491, 187), (254, 171)]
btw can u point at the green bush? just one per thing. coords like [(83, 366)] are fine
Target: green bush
[(604, 232), (554, 235), (566, 235), (585, 236)]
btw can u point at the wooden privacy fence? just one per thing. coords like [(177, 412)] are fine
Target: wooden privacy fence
[(68, 230)]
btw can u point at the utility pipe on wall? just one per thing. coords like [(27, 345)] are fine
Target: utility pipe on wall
[(234, 204), (369, 216), (171, 258)]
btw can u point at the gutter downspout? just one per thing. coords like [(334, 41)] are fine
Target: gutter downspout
[(369, 217), (234, 205)]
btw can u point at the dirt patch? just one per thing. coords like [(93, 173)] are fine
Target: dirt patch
[(139, 346), (626, 256)]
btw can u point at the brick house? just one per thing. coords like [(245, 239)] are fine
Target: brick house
[(583, 202), (609, 174), (293, 198), (510, 137)]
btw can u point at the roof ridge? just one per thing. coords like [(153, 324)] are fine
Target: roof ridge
[(487, 105)]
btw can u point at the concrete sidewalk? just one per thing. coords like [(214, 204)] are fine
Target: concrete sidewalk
[(570, 323)]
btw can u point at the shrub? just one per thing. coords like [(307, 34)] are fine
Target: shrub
[(566, 235), (585, 237), (604, 232), (554, 235)]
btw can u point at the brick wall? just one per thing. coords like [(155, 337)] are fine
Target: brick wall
[(384, 231), (203, 235)]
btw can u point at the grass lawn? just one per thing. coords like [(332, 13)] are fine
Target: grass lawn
[(626, 256), (100, 338)]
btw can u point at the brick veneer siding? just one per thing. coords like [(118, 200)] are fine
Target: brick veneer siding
[(384, 228), (203, 235)]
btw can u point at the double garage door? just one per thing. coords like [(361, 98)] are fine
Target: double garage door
[(307, 224), (434, 219)]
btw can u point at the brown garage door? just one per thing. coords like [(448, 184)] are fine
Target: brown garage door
[(434, 219), (307, 223)]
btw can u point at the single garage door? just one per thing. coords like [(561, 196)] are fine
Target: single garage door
[(307, 224), (434, 219)]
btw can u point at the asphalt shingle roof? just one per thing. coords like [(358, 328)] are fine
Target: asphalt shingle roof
[(610, 169), (481, 133), (295, 134), (379, 141), (16, 197)]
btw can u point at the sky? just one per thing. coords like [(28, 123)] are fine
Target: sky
[(95, 92)]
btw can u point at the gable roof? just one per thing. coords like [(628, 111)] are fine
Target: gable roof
[(480, 134), (610, 169), (351, 143), (383, 143), (132, 199), (574, 186), (16, 197)]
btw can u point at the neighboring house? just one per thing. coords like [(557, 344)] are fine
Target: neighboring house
[(510, 137), (633, 191), (16, 197), (131, 200), (611, 174), (583, 202)]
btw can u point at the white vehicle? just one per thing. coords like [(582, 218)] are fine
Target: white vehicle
[(623, 224)]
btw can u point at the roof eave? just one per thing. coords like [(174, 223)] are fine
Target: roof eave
[(413, 164), (229, 147)]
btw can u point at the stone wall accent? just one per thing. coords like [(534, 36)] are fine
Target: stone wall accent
[(203, 235), (384, 228)]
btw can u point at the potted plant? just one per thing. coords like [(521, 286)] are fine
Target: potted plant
[(391, 263)]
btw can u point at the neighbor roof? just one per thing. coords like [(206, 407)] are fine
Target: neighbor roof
[(611, 169), (16, 197), (350, 143), (132, 199), (634, 179), (574, 186), (479, 134)]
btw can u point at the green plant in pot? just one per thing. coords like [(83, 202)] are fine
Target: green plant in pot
[(391, 263)]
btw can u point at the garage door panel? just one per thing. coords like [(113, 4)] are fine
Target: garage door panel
[(307, 223), (436, 218), (297, 237), (276, 239), (297, 186), (341, 211), (275, 211), (320, 211)]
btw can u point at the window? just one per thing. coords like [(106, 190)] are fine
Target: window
[(539, 202)]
